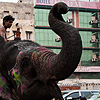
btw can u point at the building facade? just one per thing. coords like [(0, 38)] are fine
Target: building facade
[(23, 14), (85, 17)]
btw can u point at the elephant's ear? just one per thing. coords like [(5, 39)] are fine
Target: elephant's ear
[(24, 65)]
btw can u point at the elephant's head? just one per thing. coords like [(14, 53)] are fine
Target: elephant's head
[(39, 68)]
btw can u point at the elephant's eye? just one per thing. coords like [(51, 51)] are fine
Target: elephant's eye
[(25, 62), (24, 65)]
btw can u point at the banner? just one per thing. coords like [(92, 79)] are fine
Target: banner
[(71, 3)]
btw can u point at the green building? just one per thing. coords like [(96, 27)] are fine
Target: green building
[(85, 17)]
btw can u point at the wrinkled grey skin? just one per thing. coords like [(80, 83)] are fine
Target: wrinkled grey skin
[(41, 67)]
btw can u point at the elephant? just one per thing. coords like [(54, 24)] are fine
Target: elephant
[(29, 71)]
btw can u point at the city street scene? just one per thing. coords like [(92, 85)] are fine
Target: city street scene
[(49, 49)]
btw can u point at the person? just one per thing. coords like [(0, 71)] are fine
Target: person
[(7, 23), (18, 32), (17, 38)]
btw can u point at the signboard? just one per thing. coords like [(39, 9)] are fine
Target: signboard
[(71, 3), (87, 69)]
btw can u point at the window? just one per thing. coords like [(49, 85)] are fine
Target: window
[(28, 35), (84, 19), (73, 95), (86, 94), (27, 16), (15, 15), (5, 13)]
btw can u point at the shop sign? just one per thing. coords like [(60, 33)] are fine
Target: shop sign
[(71, 3)]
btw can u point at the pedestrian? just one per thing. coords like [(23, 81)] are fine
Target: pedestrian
[(18, 32), (7, 23), (18, 35)]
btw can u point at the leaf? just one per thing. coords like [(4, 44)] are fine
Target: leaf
[(2, 83), (17, 76), (18, 84)]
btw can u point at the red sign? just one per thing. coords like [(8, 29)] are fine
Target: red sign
[(69, 88)]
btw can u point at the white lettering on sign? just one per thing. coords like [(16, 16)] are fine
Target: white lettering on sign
[(43, 1)]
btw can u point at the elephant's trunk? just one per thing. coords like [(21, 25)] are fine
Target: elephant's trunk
[(67, 60)]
